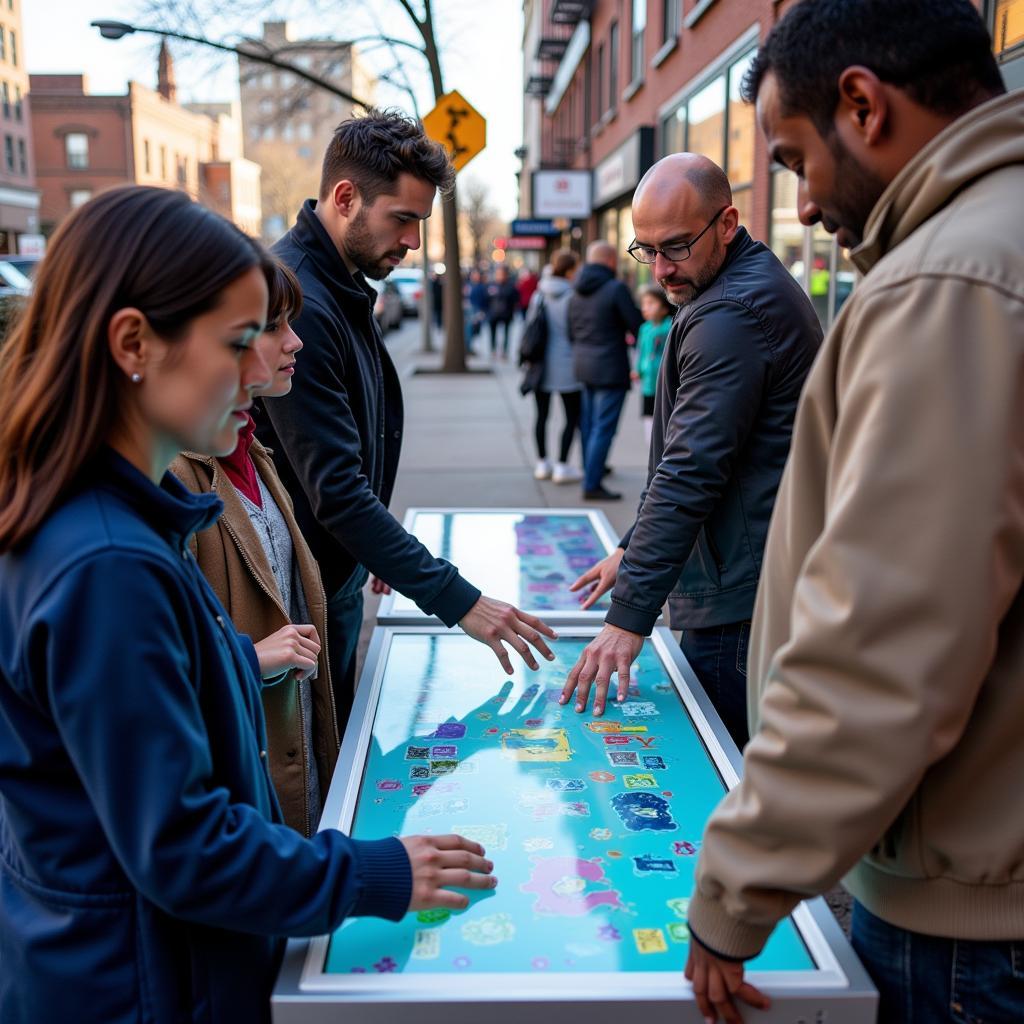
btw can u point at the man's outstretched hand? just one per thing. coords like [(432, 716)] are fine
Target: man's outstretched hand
[(492, 622), (600, 578), (612, 650)]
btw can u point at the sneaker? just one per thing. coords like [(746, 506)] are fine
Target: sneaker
[(601, 494), (566, 474), (542, 471)]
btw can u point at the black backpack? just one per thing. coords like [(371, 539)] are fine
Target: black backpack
[(534, 342)]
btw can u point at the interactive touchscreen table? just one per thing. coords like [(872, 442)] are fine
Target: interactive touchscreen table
[(527, 557), (593, 825)]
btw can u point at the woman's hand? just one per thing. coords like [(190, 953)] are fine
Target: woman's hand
[(291, 648), (441, 861)]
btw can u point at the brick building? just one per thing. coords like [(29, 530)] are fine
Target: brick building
[(288, 121), (85, 143), (19, 199), (614, 85)]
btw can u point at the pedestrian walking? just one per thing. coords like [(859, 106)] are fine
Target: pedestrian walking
[(650, 347), (743, 340), (502, 301), (554, 375), (526, 285), (147, 872), (602, 315), (263, 573)]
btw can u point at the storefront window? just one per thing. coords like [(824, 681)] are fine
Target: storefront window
[(706, 116), (673, 131), (1008, 26), (812, 256), (786, 236), (715, 122), (742, 128)]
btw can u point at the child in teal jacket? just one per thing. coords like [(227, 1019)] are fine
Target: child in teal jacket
[(657, 311)]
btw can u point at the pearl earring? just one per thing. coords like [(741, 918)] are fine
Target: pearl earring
[(136, 378)]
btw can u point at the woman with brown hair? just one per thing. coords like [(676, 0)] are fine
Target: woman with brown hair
[(145, 872), (263, 573)]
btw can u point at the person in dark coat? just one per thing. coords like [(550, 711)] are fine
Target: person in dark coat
[(147, 875), (502, 302), (742, 342), (337, 436), (602, 315)]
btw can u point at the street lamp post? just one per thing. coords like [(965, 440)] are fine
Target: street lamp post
[(120, 29)]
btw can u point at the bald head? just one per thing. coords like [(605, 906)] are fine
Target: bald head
[(685, 178), (685, 199), (604, 253)]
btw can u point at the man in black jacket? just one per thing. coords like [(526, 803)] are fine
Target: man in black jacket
[(337, 437), (743, 340), (601, 313)]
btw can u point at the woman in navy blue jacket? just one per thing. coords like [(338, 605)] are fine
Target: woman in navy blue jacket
[(145, 874)]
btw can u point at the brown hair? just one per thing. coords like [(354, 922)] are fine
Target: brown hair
[(563, 262), (285, 295), (657, 293), (372, 151), (149, 248)]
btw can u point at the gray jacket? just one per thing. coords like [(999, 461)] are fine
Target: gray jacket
[(558, 374)]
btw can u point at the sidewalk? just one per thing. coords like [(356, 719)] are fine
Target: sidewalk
[(469, 442)]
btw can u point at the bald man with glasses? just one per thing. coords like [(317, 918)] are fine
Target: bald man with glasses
[(741, 344)]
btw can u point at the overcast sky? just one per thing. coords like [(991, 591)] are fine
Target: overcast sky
[(482, 59)]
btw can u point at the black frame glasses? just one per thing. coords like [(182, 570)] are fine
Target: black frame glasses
[(678, 253)]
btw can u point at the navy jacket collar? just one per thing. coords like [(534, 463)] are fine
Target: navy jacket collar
[(312, 236), (171, 509)]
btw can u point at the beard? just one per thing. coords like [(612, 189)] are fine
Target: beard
[(681, 288), (856, 193), (361, 248)]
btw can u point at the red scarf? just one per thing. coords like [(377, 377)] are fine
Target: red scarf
[(239, 466)]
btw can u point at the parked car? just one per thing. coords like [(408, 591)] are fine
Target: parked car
[(26, 264), (409, 281), (12, 280), (388, 307)]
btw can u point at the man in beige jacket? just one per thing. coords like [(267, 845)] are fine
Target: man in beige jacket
[(887, 653)]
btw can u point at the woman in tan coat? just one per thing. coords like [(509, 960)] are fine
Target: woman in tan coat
[(263, 573)]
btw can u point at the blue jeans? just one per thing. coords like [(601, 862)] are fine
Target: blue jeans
[(928, 979), (601, 410), (718, 657)]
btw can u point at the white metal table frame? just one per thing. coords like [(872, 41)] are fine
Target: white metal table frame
[(392, 613), (838, 992)]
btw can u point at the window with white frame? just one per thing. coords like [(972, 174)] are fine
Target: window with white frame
[(76, 149)]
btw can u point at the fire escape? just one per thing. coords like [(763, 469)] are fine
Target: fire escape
[(559, 21)]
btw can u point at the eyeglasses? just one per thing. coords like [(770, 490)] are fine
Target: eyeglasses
[(676, 253)]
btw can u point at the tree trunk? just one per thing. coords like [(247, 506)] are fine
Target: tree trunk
[(454, 323)]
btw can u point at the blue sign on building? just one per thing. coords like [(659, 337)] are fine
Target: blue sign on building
[(525, 226)]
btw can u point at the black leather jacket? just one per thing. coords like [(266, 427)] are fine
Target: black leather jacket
[(734, 366), (337, 437)]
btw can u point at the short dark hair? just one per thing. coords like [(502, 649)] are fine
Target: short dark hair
[(284, 300), (937, 51), (373, 150)]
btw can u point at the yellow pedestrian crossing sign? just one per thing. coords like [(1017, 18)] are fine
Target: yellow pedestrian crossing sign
[(458, 127)]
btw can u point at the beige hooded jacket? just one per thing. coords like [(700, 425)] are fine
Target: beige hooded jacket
[(887, 652)]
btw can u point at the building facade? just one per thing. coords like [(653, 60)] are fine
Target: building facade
[(287, 121), (614, 85), (85, 143), (19, 198)]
